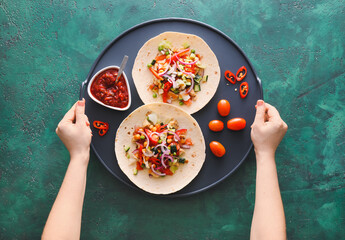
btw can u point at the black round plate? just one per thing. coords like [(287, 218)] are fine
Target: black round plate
[(230, 57)]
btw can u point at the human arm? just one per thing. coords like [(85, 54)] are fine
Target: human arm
[(267, 132), (64, 221)]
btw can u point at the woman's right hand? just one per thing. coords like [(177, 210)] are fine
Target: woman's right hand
[(268, 129), (74, 131)]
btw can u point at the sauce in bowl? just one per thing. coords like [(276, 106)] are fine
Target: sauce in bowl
[(104, 89)]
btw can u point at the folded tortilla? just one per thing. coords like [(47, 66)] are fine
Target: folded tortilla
[(143, 78), (185, 172)]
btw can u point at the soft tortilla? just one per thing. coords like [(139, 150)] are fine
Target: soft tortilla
[(185, 173), (142, 76)]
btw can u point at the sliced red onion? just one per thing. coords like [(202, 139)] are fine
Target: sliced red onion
[(166, 156), (170, 79), (172, 69), (162, 161), (135, 151), (166, 151), (168, 100), (148, 152), (176, 137), (185, 63), (162, 73), (158, 173), (154, 133), (185, 146), (192, 86)]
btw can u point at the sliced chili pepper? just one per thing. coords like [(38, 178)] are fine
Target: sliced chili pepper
[(102, 132), (230, 76), (241, 73), (244, 88), (100, 125)]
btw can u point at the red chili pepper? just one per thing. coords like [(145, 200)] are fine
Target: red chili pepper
[(230, 76), (102, 132), (244, 88), (241, 73), (100, 125)]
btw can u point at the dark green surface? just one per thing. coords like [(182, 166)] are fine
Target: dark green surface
[(297, 49)]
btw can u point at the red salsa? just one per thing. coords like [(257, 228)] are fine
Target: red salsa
[(105, 90)]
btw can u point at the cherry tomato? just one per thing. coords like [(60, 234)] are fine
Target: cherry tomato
[(216, 125), (223, 107), (217, 149), (236, 124)]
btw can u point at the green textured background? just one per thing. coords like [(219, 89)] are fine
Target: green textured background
[(297, 49)]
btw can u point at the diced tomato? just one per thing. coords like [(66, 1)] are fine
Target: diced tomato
[(153, 138), (167, 171), (167, 86), (188, 102), (188, 141), (139, 166), (190, 69), (181, 131), (165, 97)]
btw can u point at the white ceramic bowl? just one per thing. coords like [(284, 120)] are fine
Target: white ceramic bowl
[(98, 101)]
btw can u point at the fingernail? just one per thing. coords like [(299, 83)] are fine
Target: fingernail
[(81, 103), (260, 103)]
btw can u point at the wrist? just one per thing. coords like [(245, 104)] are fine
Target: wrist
[(81, 158), (264, 156)]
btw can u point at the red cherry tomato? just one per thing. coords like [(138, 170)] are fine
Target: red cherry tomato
[(216, 125), (223, 107), (217, 149), (236, 124)]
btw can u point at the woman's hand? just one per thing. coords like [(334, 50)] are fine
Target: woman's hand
[(74, 131), (268, 129)]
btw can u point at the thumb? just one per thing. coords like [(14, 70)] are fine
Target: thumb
[(80, 111), (260, 112)]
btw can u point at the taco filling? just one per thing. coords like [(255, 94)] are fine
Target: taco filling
[(178, 73), (160, 146)]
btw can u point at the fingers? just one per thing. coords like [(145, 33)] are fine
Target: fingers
[(260, 112), (80, 112), (272, 112), (70, 115)]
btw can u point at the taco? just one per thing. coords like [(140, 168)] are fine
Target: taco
[(176, 68), (160, 148)]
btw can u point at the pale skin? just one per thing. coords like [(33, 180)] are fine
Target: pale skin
[(64, 221), (267, 132), (268, 129)]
